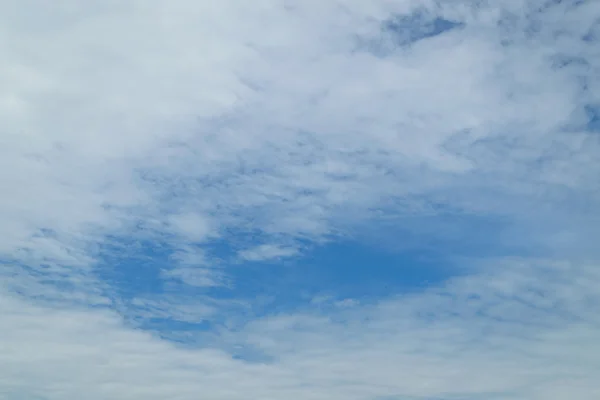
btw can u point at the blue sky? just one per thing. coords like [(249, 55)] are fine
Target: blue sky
[(301, 200)]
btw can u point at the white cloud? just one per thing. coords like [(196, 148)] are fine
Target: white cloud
[(193, 227), (184, 121), (131, 114), (522, 331), (266, 252), (196, 276)]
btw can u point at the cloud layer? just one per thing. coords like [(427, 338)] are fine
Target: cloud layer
[(527, 330), (221, 134)]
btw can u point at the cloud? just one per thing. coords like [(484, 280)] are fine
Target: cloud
[(521, 330), (266, 252), (260, 131), (230, 132)]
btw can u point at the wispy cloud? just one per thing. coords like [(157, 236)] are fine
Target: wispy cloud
[(525, 330), (216, 134), (266, 252)]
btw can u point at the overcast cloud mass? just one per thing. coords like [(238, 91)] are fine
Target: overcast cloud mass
[(303, 200)]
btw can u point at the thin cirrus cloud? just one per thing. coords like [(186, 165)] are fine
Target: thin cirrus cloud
[(156, 154)]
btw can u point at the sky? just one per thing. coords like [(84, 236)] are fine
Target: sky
[(303, 200)]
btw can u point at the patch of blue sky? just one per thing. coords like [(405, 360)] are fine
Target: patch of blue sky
[(376, 263), (593, 117), (346, 269), (408, 29), (133, 267), (405, 30)]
